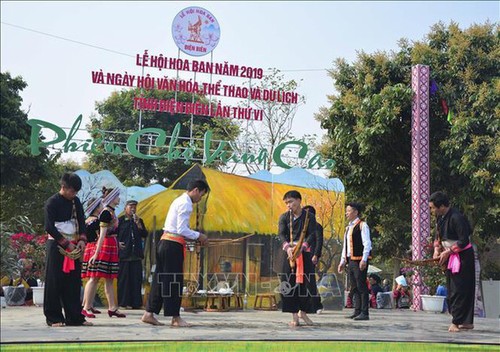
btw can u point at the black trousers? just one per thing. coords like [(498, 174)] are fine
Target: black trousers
[(313, 289), (168, 280), (62, 291), (359, 288), (296, 296), (130, 283), (461, 289)]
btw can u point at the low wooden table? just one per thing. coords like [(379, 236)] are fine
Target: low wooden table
[(189, 302), (238, 300), (216, 302), (270, 298)]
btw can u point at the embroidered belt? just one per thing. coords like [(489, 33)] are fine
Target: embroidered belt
[(68, 236)]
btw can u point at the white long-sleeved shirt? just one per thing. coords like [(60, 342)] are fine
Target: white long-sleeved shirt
[(365, 238), (177, 220)]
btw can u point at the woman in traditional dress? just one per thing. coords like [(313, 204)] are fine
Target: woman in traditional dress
[(94, 208), (104, 261)]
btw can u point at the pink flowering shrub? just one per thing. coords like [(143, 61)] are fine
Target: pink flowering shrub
[(30, 250)]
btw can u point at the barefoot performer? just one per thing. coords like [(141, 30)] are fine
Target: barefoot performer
[(454, 250), (65, 224), (168, 279), (297, 231)]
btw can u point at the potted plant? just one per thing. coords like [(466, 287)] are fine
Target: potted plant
[(9, 266), (432, 276), (23, 266), (31, 251)]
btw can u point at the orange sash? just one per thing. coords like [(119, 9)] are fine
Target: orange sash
[(299, 273), (175, 238)]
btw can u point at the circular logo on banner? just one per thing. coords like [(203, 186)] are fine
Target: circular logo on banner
[(195, 31)]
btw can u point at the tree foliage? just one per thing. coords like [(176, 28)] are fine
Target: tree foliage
[(277, 120), (26, 180), (17, 165), (369, 130), (117, 116)]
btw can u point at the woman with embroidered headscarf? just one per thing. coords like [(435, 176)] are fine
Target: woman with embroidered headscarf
[(94, 208), (104, 261)]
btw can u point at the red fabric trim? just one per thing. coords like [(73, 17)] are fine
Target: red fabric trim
[(68, 265), (83, 238), (300, 269), (63, 243), (456, 249)]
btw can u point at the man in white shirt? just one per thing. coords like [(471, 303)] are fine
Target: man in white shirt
[(356, 252), (168, 279)]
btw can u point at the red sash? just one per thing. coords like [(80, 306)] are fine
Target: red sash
[(68, 263), (299, 273)]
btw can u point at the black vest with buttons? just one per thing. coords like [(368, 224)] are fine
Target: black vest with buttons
[(356, 243)]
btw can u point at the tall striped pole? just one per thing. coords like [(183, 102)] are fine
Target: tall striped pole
[(420, 177)]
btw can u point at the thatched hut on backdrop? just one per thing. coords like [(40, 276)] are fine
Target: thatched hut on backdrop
[(236, 207)]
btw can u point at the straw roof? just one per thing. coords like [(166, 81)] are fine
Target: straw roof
[(241, 205)]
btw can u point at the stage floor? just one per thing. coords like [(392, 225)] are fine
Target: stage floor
[(21, 325)]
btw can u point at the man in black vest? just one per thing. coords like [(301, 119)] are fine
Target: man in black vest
[(355, 253)]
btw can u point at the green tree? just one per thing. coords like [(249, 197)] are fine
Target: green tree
[(17, 165), (277, 120), (26, 180), (117, 116), (369, 131)]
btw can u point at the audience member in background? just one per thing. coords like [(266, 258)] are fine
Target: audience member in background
[(401, 293), (386, 286), (131, 231), (375, 288), (442, 291)]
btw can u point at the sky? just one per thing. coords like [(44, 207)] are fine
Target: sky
[(302, 39)]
